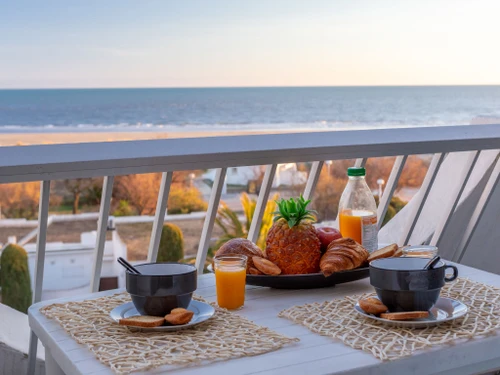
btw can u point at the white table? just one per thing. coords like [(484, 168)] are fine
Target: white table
[(314, 354)]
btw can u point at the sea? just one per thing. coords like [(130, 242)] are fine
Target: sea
[(185, 109)]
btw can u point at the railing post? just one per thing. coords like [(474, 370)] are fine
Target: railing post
[(265, 189), (41, 240), (422, 198), (453, 203), (478, 211), (102, 226), (360, 163), (161, 208), (313, 178), (208, 226), (392, 183)]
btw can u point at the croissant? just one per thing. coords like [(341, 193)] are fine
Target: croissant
[(342, 255)]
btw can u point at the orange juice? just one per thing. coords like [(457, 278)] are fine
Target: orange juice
[(358, 211), (230, 278), (230, 285), (350, 226), (358, 225)]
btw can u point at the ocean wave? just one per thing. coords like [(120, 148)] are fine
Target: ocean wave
[(326, 125)]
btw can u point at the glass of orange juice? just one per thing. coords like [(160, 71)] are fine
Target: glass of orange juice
[(230, 277)]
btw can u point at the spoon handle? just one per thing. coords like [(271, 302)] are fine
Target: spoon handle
[(432, 262), (128, 266)]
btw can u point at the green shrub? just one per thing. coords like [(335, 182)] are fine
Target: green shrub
[(15, 278), (123, 209), (171, 247), (394, 207), (183, 200)]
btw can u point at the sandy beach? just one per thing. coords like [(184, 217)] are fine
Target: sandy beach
[(25, 139)]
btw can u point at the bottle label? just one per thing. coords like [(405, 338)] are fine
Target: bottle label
[(369, 232)]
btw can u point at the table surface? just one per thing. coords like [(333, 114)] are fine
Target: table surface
[(314, 354)]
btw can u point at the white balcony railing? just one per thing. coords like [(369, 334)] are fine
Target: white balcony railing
[(54, 162)]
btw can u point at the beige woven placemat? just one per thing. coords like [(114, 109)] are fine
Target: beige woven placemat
[(225, 336), (337, 319)]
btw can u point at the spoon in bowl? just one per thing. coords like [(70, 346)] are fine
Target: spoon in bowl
[(432, 262), (130, 268)]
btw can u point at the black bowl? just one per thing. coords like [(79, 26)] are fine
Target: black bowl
[(403, 285), (161, 287)]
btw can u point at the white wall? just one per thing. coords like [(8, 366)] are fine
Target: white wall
[(14, 341)]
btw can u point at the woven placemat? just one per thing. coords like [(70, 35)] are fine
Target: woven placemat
[(225, 336), (337, 319)]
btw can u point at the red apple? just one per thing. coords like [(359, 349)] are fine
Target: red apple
[(326, 235)]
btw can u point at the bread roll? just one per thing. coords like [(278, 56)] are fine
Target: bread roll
[(241, 246)]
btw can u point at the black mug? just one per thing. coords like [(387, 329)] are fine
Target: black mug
[(403, 285)]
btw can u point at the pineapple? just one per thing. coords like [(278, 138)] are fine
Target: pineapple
[(292, 243)]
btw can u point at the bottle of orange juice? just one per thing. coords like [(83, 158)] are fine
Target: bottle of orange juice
[(358, 211)]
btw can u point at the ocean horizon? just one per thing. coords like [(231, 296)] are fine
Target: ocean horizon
[(245, 108)]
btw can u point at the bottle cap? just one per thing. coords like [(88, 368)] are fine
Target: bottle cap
[(356, 171)]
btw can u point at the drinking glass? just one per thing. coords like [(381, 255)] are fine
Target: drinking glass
[(421, 251), (230, 277)]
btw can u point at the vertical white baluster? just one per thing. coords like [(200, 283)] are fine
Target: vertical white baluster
[(161, 207), (392, 183), (360, 162), (265, 189), (43, 212), (478, 212), (457, 193), (208, 226), (422, 197), (313, 178), (102, 226)]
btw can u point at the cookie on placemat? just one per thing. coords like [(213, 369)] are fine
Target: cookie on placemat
[(142, 321), (407, 315), (372, 305)]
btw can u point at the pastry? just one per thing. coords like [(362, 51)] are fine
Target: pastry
[(407, 315), (240, 246), (385, 252), (266, 266), (342, 254), (372, 305), (179, 316), (145, 321), (398, 253), (254, 271)]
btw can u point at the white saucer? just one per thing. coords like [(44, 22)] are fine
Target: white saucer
[(202, 312), (445, 310)]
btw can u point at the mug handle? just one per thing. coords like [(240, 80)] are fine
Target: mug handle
[(452, 277)]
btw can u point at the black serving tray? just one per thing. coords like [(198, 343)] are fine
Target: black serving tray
[(307, 281)]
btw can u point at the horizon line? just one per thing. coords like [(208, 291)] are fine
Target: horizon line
[(238, 87)]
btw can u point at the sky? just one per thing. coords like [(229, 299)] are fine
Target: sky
[(211, 43)]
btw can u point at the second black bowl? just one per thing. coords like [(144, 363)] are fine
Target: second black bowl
[(161, 287)]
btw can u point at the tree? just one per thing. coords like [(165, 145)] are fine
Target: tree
[(184, 200), (395, 205), (15, 278), (20, 200), (140, 190), (76, 187), (171, 248)]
